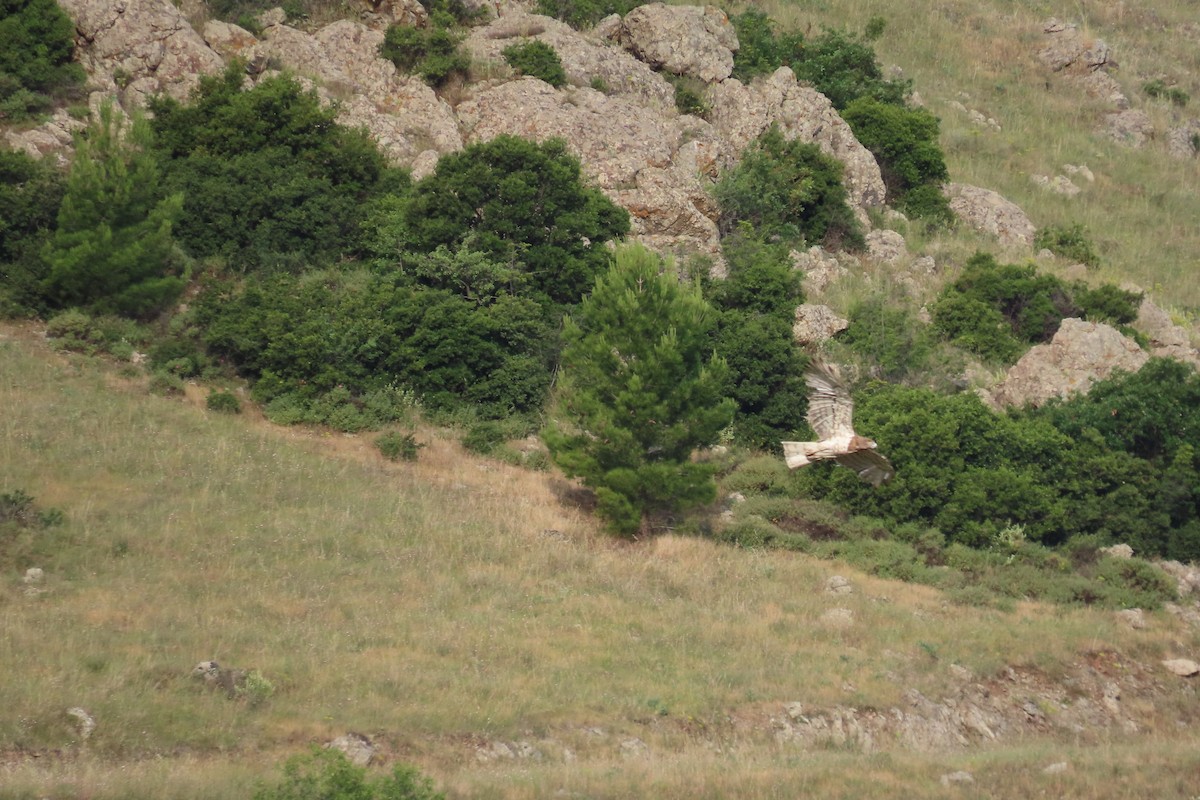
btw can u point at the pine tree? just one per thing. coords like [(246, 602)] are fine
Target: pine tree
[(639, 390), (112, 250)]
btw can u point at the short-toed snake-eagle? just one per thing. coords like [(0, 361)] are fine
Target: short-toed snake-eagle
[(830, 412)]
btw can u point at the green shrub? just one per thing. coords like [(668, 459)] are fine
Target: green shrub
[(536, 59), (31, 192), (397, 446), (166, 384), (37, 42), (326, 774), (689, 95), (1069, 241), (583, 14), (256, 690), (1107, 303), (432, 53), (223, 403), (997, 310), (522, 205), (788, 190), (268, 177), (1158, 89), (904, 142), (889, 337)]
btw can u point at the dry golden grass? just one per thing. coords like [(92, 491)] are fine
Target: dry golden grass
[(434, 605)]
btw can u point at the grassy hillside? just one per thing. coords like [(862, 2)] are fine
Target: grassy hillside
[(445, 605), (1142, 208)]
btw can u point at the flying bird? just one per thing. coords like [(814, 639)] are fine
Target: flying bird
[(830, 412)]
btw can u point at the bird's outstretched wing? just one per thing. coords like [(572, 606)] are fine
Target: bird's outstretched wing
[(870, 466), (830, 409)]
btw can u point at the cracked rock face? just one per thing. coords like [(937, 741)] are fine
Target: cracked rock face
[(698, 41)]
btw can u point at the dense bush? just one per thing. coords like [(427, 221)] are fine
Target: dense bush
[(754, 336), (268, 177), (762, 48), (886, 334), (30, 194), (326, 774), (223, 403), (904, 142), (1158, 88), (788, 190), (37, 41), (431, 52), (585, 13), (1068, 241), (112, 250), (536, 59), (997, 310), (519, 203), (397, 446)]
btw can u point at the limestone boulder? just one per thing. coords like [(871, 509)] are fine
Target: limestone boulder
[(1183, 141), (1166, 338), (381, 14), (52, 139), (1131, 127), (141, 46), (740, 113), (228, 40), (816, 323), (698, 41), (820, 267), (1080, 354), (989, 212), (586, 58)]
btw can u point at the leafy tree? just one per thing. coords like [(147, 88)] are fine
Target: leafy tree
[(432, 52), (788, 190), (37, 41), (269, 178), (538, 59), (30, 194), (112, 249), (520, 203), (639, 390), (843, 67), (584, 13), (762, 49)]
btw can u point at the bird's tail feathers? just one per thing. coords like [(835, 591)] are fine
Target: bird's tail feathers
[(798, 454)]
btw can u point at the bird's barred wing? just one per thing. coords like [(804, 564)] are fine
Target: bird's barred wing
[(830, 409), (870, 466)]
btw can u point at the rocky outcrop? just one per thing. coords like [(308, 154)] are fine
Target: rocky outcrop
[(586, 59), (816, 323), (698, 41), (380, 14), (1131, 127), (990, 213), (821, 269), (1183, 141), (1080, 354), (1083, 59), (740, 113), (140, 48), (402, 114), (53, 138), (1166, 338)]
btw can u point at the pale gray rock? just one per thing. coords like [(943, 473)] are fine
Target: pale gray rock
[(272, 17), (633, 747), (1187, 577), (358, 749), (684, 40), (85, 723), (1183, 667), (1066, 48), (886, 246), (838, 584), (741, 113), (821, 269), (814, 323), (1102, 85), (381, 14), (147, 44), (1122, 551), (586, 58), (957, 778), (54, 138), (228, 39), (1079, 171), (1132, 128), (33, 575), (1133, 618), (1057, 768), (215, 676), (1059, 184), (400, 112), (1190, 616), (1183, 141), (988, 212), (1080, 354), (1166, 338)]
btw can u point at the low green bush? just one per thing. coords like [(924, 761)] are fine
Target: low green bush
[(1158, 89), (398, 446), (583, 14), (788, 190), (223, 403), (1069, 241), (433, 53), (538, 60), (326, 774)]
